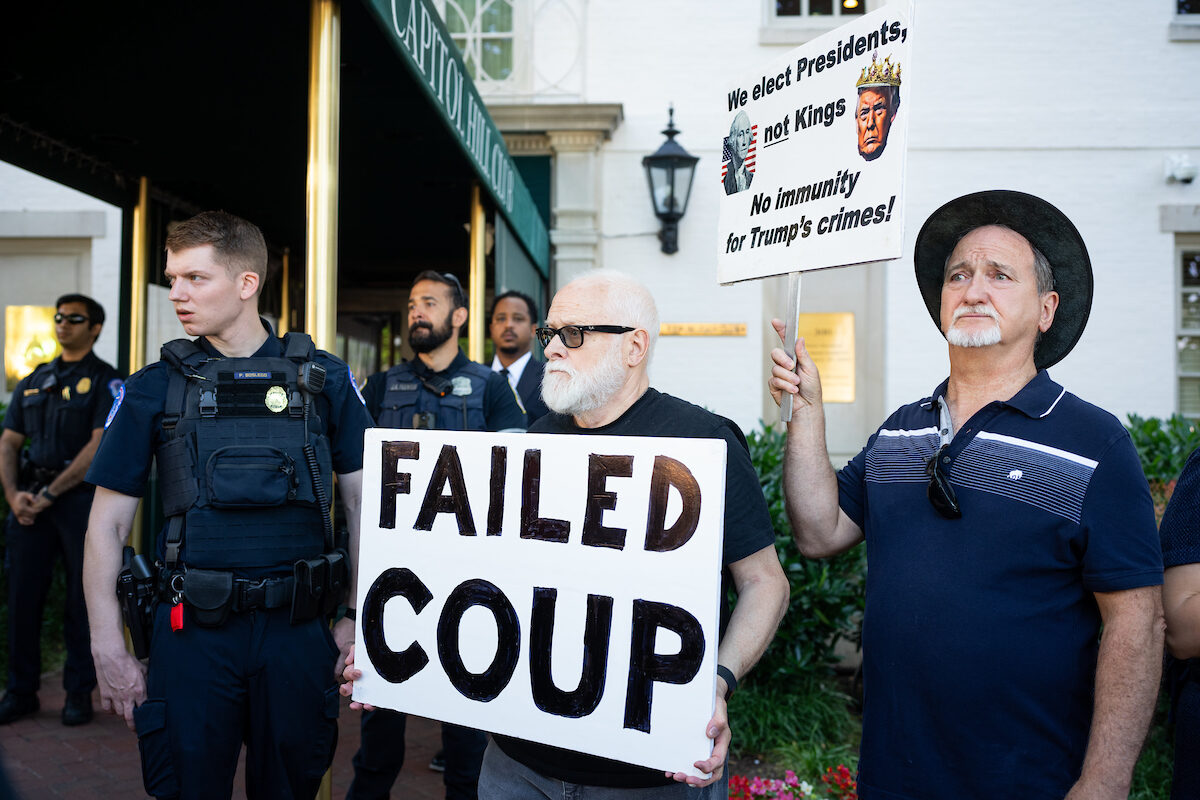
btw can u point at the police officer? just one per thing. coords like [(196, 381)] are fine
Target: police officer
[(248, 430), (438, 390), (61, 407)]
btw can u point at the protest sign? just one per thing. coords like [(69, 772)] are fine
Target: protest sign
[(560, 589), (812, 170)]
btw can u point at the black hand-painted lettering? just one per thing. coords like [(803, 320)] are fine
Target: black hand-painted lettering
[(495, 517), (447, 470), (533, 527), (487, 685), (393, 666), (393, 482), (586, 696), (647, 667), (600, 500), (667, 473)]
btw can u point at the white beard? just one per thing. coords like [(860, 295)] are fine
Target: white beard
[(567, 390), (975, 338)]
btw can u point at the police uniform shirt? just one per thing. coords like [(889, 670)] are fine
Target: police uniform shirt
[(71, 399), (134, 428), (501, 409)]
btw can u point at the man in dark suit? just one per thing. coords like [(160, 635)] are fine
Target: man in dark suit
[(511, 324)]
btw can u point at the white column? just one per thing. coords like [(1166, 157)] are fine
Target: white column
[(575, 213)]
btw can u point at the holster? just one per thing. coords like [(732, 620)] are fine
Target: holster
[(209, 594), (31, 477), (320, 586), (136, 585)]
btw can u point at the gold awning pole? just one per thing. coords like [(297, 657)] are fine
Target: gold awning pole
[(324, 109), (320, 252), (477, 286), (285, 299), (139, 250), (140, 271)]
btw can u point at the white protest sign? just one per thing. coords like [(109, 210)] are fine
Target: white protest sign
[(560, 589), (812, 170)]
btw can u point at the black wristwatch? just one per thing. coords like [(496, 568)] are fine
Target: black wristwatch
[(730, 681), (350, 613), (49, 495)]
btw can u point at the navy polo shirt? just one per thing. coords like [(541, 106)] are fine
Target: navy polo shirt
[(980, 634), (134, 427)]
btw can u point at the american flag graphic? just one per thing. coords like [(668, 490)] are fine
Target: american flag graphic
[(727, 153)]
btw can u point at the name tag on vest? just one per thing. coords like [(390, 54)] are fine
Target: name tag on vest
[(403, 387)]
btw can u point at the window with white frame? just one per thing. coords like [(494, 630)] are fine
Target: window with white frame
[(485, 32), (793, 22), (788, 10), (1187, 332)]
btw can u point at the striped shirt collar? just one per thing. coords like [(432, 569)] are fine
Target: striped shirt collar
[(1036, 398)]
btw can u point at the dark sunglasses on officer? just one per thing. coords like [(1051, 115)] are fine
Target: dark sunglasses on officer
[(74, 319)]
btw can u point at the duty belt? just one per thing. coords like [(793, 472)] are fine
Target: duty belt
[(249, 594), (265, 593), (33, 476)]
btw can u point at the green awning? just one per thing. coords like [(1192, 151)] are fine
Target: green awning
[(416, 31)]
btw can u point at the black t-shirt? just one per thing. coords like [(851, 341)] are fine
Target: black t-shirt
[(747, 530)]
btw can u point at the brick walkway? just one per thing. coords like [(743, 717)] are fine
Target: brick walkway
[(44, 759)]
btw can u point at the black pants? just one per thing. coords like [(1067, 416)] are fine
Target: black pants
[(1185, 783), (381, 755), (258, 680), (29, 559)]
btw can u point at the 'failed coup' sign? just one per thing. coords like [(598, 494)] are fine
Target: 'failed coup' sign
[(560, 589)]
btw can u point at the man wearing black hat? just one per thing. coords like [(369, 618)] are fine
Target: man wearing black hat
[(1006, 520)]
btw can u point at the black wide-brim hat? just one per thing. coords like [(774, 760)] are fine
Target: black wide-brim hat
[(1046, 228)]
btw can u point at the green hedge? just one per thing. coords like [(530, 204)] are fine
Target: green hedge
[(1163, 445), (827, 595)]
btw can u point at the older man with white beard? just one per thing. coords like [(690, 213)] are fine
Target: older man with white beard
[(599, 337), (1005, 521)]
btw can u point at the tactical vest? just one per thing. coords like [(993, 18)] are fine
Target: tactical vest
[(57, 419), (237, 467), (460, 409)]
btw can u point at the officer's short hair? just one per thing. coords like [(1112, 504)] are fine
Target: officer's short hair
[(237, 244), (458, 297), (95, 311), (529, 304)]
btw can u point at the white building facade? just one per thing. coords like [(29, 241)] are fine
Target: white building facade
[(1087, 104), (1090, 105)]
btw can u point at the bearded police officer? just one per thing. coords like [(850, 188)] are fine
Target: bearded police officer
[(248, 430), (61, 407), (440, 390)]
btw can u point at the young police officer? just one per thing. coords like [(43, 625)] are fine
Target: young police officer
[(248, 430), (61, 407), (439, 390)]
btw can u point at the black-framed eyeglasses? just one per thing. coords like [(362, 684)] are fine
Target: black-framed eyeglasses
[(74, 319), (941, 493), (572, 335)]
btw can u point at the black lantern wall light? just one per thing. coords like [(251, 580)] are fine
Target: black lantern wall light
[(669, 172)]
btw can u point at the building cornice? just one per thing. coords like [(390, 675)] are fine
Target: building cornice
[(602, 118)]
